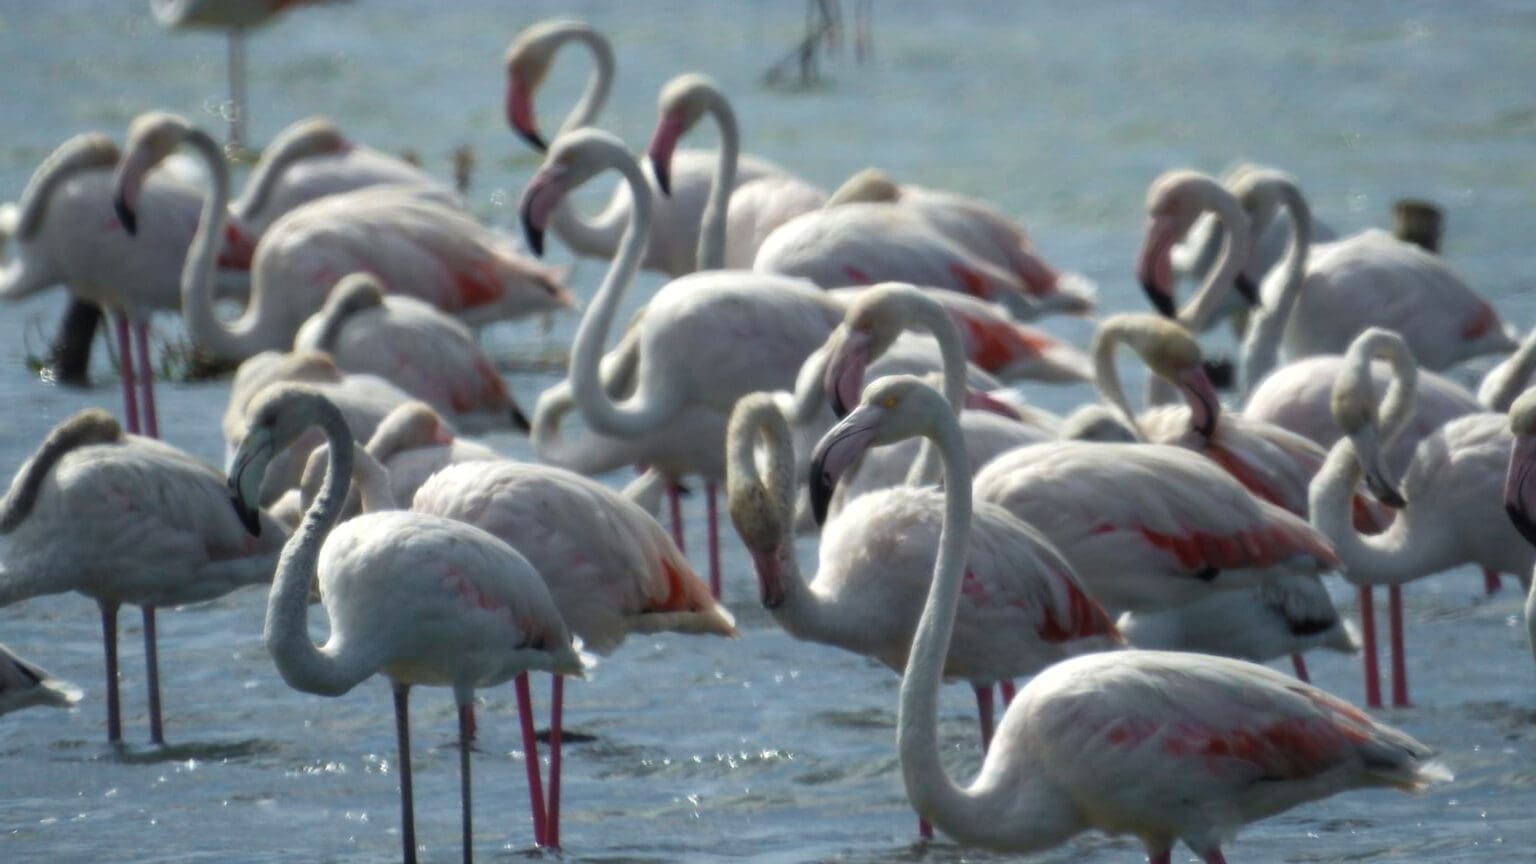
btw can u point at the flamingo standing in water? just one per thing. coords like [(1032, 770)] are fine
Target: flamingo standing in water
[(417, 598), (1024, 608), (981, 230), (609, 565), (1166, 746), (125, 519), (23, 685), (423, 350), (413, 245), (1447, 500), (705, 339), (677, 216)]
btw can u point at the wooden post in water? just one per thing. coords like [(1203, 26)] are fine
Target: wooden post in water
[(1419, 222)]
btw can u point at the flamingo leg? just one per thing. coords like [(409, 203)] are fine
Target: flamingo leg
[(146, 374), (125, 372), (1399, 656), (1215, 857), (710, 491), (109, 640), (1368, 647), (1007, 690), (924, 830), (466, 736), (1299, 663), (531, 756), (556, 718), (1163, 857), (407, 798), (1491, 582), (675, 507), (984, 712), (152, 676)]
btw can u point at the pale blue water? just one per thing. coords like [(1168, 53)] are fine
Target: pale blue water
[(765, 748)]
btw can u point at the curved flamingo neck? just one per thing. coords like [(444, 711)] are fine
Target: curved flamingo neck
[(1261, 347), (326, 671), (763, 508), (1507, 380), (595, 94), (289, 148), (654, 400), (584, 453), (926, 313), (1403, 552), (712, 225), (257, 329), (1106, 378), (1396, 406), (1236, 241)]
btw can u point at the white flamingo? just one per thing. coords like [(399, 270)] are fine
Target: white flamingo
[(981, 230), (1520, 491), (609, 565), (705, 339), (419, 599), (414, 345), (1449, 494), (1510, 377), (1166, 746), (1024, 608), (312, 159), (414, 246), (65, 232), (124, 519), (674, 231), (757, 205), (24, 685)]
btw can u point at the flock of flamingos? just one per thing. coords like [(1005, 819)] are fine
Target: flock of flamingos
[(799, 333)]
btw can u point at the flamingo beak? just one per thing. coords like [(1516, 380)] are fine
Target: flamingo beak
[(837, 451), (544, 193), (1204, 404), (844, 378), (1520, 486), (249, 466), (1248, 291), (663, 144), (1154, 265), (520, 114), (1368, 451), (127, 180)]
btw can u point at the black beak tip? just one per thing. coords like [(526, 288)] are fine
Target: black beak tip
[(534, 139), (1390, 497), (126, 216), (1221, 373), (532, 235), (663, 179), (1160, 301), (1522, 523), (1247, 290), (520, 420), (839, 408), (249, 517), (821, 487)]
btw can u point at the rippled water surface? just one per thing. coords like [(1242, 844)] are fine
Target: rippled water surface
[(764, 748)]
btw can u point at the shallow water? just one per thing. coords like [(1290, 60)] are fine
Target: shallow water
[(764, 748)]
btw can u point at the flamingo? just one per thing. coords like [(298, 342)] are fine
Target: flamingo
[(757, 205), (675, 227), (705, 339), (235, 16), (125, 519), (65, 232), (1510, 377), (1518, 491), (365, 400), (412, 344), (1166, 746), (312, 159), (981, 230), (413, 245), (1024, 609), (1448, 492), (1149, 526), (610, 566), (418, 598), (24, 685)]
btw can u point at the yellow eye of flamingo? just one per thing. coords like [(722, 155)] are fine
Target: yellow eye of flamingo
[(888, 402)]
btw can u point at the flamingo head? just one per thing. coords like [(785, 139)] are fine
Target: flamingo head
[(1174, 201), (527, 63), (873, 321), (1353, 405), (151, 138), (574, 159), (683, 101), (277, 417), (1172, 353), (894, 408), (760, 493), (1520, 482), (312, 136)]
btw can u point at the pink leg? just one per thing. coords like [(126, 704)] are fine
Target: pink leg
[(1399, 656), (714, 538), (1006, 688), (675, 505), (1368, 647), (556, 717), (984, 712), (407, 798), (1299, 663), (924, 830), (146, 375), (1491, 582), (125, 371), (1215, 857), (109, 639), (531, 756), (1163, 857), (466, 735), (152, 676)]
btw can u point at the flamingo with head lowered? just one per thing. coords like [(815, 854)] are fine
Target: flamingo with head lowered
[(1167, 747)]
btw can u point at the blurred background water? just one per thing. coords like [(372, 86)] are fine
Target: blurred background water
[(762, 748)]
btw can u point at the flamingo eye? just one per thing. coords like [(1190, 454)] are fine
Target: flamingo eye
[(889, 402)]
